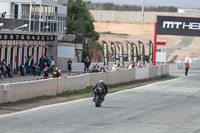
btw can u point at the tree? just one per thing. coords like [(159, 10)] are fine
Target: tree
[(80, 21)]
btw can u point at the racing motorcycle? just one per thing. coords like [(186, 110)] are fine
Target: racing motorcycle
[(22, 70), (98, 97), (36, 70)]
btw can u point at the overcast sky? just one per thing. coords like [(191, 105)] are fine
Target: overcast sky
[(177, 3)]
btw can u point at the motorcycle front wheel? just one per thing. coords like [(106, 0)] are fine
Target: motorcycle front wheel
[(97, 101)]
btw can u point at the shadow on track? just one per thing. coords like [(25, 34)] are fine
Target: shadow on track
[(112, 107)]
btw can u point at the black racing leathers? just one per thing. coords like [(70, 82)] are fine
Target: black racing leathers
[(103, 86)]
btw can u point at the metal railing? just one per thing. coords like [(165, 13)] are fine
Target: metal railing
[(32, 78), (11, 22)]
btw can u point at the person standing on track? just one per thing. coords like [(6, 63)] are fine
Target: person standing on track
[(186, 68), (87, 64)]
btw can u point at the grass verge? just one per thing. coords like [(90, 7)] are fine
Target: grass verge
[(72, 95)]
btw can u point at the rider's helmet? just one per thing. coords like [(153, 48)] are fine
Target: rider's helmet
[(100, 81)]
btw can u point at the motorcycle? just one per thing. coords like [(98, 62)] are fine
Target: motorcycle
[(10, 71), (3, 71), (37, 70), (98, 97), (22, 70)]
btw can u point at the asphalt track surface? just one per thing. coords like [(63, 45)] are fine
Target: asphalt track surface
[(166, 107)]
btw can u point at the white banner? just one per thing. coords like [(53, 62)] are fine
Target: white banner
[(66, 52)]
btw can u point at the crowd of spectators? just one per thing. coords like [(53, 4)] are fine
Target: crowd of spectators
[(6, 70), (115, 67), (45, 68), (97, 68)]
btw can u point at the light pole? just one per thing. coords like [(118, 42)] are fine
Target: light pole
[(142, 17), (46, 27), (23, 26), (1, 25)]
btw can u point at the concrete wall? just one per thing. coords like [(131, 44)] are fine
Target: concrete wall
[(193, 66), (165, 69), (119, 76), (134, 16), (27, 90), (153, 72), (142, 73), (73, 83)]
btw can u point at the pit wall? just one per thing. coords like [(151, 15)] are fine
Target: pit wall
[(193, 66), (13, 92), (134, 16)]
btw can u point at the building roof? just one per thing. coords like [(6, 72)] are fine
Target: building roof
[(42, 2)]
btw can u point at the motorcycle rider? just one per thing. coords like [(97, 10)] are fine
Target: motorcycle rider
[(9, 71), (3, 68), (22, 70), (101, 84)]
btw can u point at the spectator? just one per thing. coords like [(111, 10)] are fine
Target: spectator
[(69, 64), (92, 68), (45, 73), (139, 65), (96, 67), (3, 15), (45, 61), (49, 62), (130, 66), (52, 65), (30, 61), (29, 64), (60, 73), (41, 63), (103, 68), (87, 64), (115, 67), (55, 73)]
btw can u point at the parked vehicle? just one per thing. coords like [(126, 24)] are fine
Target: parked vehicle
[(36, 70), (10, 71), (3, 71), (22, 70)]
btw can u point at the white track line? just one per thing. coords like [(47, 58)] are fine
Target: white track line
[(85, 99)]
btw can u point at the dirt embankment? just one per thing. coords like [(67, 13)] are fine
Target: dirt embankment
[(176, 45)]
